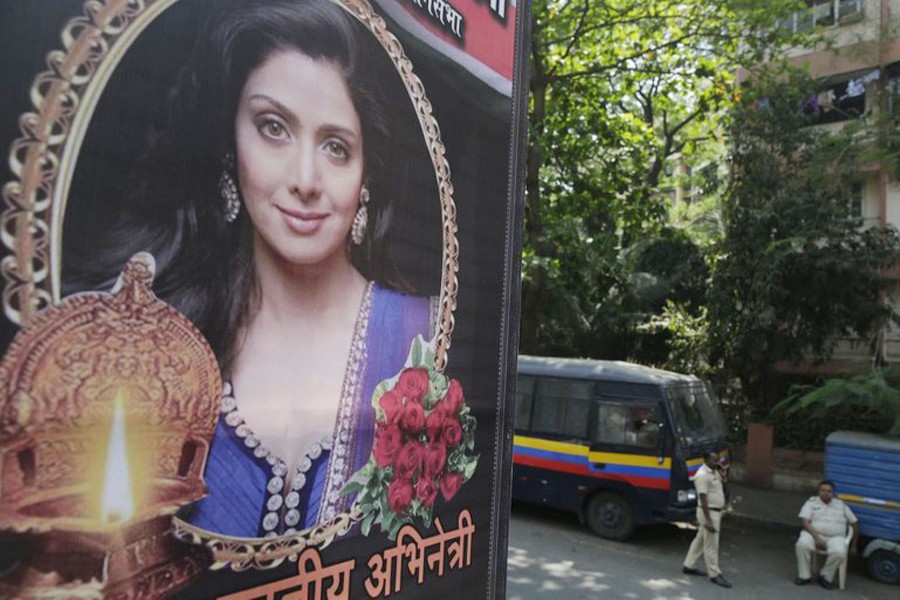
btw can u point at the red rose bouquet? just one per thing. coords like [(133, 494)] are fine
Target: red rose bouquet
[(423, 447)]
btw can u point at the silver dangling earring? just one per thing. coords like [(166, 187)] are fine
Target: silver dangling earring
[(361, 220), (228, 189)]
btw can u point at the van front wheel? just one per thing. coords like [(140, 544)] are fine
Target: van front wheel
[(610, 516), (884, 566)]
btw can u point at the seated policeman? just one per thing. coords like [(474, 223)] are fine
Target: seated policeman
[(825, 519)]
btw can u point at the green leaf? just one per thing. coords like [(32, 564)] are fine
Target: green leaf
[(352, 487), (867, 392), (417, 352), (456, 459), (377, 393), (389, 520), (366, 524), (469, 469)]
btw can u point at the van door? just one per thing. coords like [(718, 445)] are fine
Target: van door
[(550, 457), (627, 442), (526, 485)]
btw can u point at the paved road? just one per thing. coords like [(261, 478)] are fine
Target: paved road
[(551, 556)]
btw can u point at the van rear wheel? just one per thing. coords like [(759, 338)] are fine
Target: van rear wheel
[(610, 516)]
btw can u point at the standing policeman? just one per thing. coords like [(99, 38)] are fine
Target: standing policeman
[(710, 504)]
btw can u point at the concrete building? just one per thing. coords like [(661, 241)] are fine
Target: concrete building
[(859, 64)]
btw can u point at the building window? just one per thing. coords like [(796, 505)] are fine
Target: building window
[(840, 102), (855, 201), (849, 10), (841, 97), (893, 90), (824, 13)]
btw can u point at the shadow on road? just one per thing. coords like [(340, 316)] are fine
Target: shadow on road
[(562, 521), (552, 555)]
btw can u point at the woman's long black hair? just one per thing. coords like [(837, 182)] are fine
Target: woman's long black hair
[(204, 264)]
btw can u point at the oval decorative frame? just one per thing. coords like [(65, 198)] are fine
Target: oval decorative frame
[(44, 158), (43, 162)]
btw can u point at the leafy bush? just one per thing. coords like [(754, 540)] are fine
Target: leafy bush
[(868, 402)]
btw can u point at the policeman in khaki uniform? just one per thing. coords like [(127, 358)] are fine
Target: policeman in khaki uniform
[(710, 504), (825, 519)]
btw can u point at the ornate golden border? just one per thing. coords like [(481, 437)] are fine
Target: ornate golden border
[(362, 10), (44, 158), (241, 554), (43, 162)]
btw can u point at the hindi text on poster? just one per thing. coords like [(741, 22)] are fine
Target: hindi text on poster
[(443, 13), (316, 581)]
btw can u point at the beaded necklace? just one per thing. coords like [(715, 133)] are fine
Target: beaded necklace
[(282, 505)]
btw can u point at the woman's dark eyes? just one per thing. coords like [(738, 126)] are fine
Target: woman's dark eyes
[(276, 130), (336, 149), (273, 129)]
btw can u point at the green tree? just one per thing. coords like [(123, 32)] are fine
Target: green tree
[(668, 278), (617, 87), (795, 271)]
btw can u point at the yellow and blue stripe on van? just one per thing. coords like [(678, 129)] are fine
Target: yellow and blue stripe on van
[(874, 503), (693, 464), (637, 470)]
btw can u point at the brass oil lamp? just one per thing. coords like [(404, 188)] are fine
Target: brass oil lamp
[(108, 404)]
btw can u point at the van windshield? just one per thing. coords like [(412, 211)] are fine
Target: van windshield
[(697, 417)]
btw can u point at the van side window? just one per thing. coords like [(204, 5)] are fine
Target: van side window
[(524, 401), (562, 407), (625, 425)]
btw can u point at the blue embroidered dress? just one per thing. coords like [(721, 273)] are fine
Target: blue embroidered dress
[(251, 493)]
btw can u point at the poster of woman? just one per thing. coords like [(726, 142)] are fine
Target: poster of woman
[(321, 197)]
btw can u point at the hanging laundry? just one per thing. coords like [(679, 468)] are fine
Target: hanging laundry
[(857, 87)]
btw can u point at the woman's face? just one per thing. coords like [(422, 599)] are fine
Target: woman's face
[(299, 159)]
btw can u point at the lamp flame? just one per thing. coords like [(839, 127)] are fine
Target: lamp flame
[(117, 501)]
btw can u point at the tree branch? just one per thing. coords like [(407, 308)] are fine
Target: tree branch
[(621, 61), (575, 35)]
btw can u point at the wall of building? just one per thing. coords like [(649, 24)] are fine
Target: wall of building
[(857, 43), (855, 48)]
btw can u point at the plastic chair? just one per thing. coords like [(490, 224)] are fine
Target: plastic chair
[(842, 568)]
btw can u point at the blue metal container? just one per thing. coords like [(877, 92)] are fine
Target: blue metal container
[(865, 469)]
